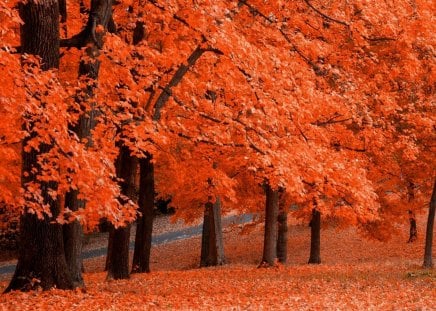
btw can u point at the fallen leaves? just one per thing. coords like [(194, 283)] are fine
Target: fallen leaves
[(357, 274), (244, 287)]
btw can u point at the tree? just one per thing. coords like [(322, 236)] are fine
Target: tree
[(344, 95), (41, 261), (100, 13), (144, 223), (413, 232), (282, 235), (271, 229), (119, 238), (315, 237), (428, 262), (212, 248)]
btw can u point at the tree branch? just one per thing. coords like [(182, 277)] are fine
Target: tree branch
[(254, 11), (324, 15), (177, 78), (332, 120)]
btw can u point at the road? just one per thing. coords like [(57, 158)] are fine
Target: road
[(156, 240)]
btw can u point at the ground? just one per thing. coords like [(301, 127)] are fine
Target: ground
[(356, 274)]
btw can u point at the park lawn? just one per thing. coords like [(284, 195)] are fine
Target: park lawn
[(356, 274)]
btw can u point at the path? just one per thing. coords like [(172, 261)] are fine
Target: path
[(156, 240)]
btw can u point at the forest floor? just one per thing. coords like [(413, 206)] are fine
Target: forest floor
[(356, 274)]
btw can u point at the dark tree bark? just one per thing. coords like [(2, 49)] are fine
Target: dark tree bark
[(315, 238), (109, 246), (282, 239), (40, 31), (413, 232), (144, 224), (41, 259), (177, 78), (212, 246), (100, 14), (118, 262), (138, 32), (63, 10), (428, 260), (73, 240), (270, 236), (63, 14)]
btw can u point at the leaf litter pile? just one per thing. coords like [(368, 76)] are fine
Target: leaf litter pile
[(356, 274)]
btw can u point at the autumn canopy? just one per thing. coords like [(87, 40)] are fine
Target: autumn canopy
[(325, 107)]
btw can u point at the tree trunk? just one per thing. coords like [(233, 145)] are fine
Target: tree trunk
[(73, 232), (41, 260), (100, 14), (282, 239), (73, 240), (109, 246), (428, 261), (315, 238), (118, 262), (270, 237), (119, 256), (212, 246), (144, 224), (413, 232)]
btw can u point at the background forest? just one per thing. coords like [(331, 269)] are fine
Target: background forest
[(320, 111)]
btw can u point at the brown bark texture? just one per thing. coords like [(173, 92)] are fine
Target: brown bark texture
[(41, 259), (413, 231), (212, 246), (282, 237), (144, 224), (100, 13), (270, 234), (315, 238), (428, 260), (118, 262)]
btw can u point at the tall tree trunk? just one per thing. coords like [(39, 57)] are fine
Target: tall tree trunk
[(100, 14), (315, 237), (41, 259), (428, 261), (282, 239), (144, 224), (118, 262), (270, 237), (212, 246)]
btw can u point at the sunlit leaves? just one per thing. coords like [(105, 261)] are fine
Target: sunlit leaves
[(329, 100)]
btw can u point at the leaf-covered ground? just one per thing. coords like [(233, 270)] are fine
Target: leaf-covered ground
[(356, 274)]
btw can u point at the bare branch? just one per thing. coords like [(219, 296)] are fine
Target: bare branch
[(324, 15), (254, 11), (332, 120)]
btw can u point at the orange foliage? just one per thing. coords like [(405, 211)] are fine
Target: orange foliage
[(330, 101)]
